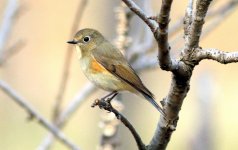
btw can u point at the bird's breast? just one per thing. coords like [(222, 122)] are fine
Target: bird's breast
[(96, 73)]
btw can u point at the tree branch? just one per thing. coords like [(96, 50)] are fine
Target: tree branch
[(103, 104), (217, 55), (35, 115), (137, 10), (160, 32), (182, 69), (172, 105), (197, 24), (161, 35)]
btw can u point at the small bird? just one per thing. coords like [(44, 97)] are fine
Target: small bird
[(105, 66)]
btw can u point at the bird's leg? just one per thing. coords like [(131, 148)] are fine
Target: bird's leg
[(109, 99), (110, 96)]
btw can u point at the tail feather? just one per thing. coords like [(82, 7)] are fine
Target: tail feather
[(153, 102)]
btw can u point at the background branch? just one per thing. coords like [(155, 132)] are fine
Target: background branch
[(22, 102), (9, 17), (64, 116), (68, 56)]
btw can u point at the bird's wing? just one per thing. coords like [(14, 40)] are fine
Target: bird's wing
[(113, 61)]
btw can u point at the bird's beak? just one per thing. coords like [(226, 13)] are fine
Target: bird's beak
[(73, 42)]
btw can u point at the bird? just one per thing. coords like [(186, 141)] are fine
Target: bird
[(105, 66)]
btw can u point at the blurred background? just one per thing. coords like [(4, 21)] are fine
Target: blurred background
[(37, 34)]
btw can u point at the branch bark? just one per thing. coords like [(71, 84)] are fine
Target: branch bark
[(217, 55), (161, 35), (181, 69), (197, 24)]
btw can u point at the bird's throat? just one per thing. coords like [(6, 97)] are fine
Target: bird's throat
[(79, 51)]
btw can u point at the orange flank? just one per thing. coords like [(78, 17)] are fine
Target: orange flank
[(96, 67)]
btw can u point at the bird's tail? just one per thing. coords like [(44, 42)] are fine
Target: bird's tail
[(153, 102)]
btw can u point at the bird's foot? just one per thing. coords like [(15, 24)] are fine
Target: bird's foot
[(102, 104)]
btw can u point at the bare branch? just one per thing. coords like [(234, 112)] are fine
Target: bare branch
[(161, 35), (160, 32), (65, 73), (136, 9), (172, 105), (22, 102), (68, 112), (182, 69), (102, 104), (214, 19), (217, 55), (197, 24)]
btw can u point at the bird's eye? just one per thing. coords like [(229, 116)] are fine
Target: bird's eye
[(86, 39)]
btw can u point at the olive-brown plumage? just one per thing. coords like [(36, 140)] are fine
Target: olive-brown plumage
[(105, 65)]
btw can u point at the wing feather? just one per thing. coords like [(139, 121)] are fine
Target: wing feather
[(116, 64)]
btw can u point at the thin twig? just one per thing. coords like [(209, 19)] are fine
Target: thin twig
[(137, 10), (68, 56), (22, 102), (102, 104)]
